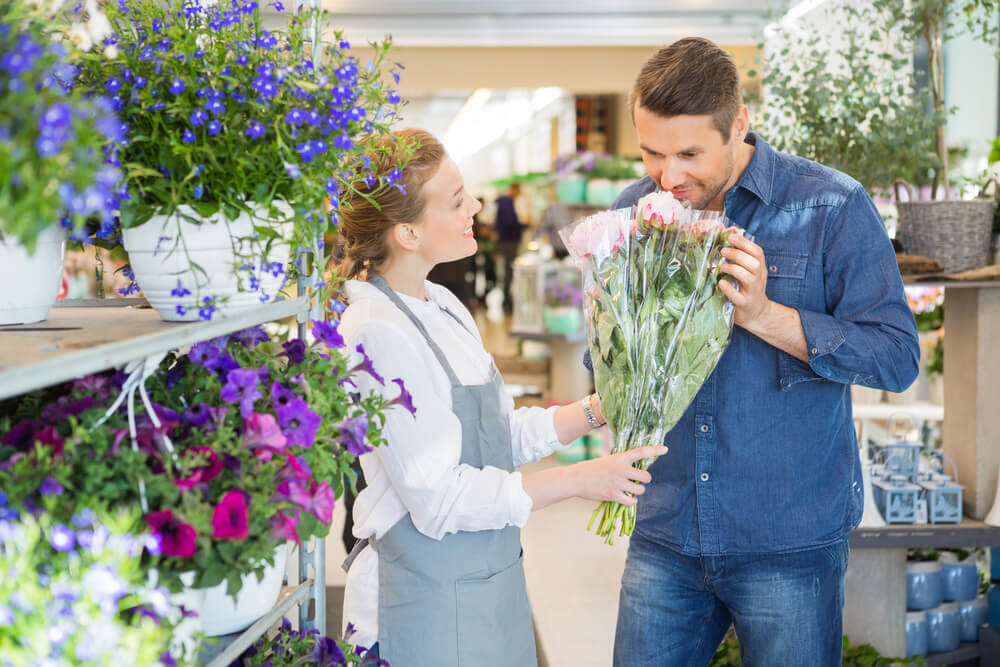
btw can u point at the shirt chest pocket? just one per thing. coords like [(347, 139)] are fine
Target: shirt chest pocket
[(786, 272)]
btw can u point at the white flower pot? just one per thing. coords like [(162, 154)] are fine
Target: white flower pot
[(167, 249), (29, 283), (218, 614)]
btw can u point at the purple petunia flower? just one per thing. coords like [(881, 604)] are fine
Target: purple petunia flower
[(196, 415), (295, 349), (281, 395), (242, 387), (51, 487), (352, 435), (405, 398), (201, 353), (229, 519), (251, 337), (299, 422), (62, 538), (221, 365), (327, 333), (366, 365)]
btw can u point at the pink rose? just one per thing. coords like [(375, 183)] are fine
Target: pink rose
[(600, 234), (660, 210)]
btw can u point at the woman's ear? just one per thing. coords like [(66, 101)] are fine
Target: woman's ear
[(406, 236)]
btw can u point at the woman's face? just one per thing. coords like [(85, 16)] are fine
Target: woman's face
[(445, 226)]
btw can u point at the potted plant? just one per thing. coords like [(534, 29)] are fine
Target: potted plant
[(956, 233), (73, 592), (236, 145), (51, 167), (846, 97), (249, 449), (290, 648), (563, 309), (571, 173)]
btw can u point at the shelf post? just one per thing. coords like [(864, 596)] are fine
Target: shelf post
[(971, 388)]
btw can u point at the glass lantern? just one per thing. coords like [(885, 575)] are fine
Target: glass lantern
[(531, 276)]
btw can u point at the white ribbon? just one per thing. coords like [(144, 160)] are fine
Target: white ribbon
[(139, 371)]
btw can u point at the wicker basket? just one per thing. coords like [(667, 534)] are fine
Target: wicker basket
[(956, 233)]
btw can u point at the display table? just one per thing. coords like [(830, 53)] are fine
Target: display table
[(569, 379)]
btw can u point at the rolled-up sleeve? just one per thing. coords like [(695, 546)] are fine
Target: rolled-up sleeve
[(868, 335)]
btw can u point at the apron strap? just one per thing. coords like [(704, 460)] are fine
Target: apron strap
[(359, 546), (379, 282)]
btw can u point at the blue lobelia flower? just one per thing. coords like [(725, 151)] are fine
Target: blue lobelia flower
[(214, 127), (62, 538), (198, 117), (188, 137), (177, 87), (198, 191), (215, 106), (255, 130), (293, 170)]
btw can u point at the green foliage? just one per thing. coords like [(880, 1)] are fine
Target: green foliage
[(290, 648), (865, 655), (846, 100)]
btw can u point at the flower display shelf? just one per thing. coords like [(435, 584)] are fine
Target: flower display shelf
[(76, 341), (91, 335)]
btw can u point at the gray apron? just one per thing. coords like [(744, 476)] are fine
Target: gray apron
[(460, 600)]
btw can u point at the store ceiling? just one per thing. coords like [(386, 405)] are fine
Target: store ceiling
[(553, 22)]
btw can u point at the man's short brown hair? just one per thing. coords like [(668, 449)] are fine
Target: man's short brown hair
[(691, 77)]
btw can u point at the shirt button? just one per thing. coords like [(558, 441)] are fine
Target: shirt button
[(704, 428), (704, 476), (814, 350), (772, 268)]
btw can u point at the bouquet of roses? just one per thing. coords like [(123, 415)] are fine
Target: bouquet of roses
[(657, 321)]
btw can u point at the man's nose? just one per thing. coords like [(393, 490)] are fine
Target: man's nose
[(671, 176)]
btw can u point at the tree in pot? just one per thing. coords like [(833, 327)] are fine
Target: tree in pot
[(51, 167), (958, 234), (230, 123)]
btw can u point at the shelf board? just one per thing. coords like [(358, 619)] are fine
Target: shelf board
[(965, 651), (76, 341), (229, 647), (578, 337), (937, 281), (969, 533), (920, 410)]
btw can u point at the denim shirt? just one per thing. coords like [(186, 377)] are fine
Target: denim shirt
[(766, 459)]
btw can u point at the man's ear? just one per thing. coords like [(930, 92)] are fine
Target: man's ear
[(741, 124), (406, 236)]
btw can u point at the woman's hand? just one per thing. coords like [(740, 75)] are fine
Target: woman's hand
[(613, 477)]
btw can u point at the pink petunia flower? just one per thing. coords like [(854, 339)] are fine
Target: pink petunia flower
[(229, 520), (285, 526), (263, 435), (176, 538), (204, 473)]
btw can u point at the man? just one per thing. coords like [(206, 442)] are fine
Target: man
[(747, 518), (509, 229)]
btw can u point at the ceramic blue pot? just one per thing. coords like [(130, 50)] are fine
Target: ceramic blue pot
[(924, 585), (971, 614), (961, 580), (943, 632), (916, 633)]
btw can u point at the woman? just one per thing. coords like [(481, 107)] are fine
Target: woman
[(437, 577)]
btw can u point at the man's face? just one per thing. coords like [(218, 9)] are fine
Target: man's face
[(687, 157)]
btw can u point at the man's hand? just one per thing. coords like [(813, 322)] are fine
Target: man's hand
[(746, 263)]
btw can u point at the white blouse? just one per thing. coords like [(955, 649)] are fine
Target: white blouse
[(418, 471)]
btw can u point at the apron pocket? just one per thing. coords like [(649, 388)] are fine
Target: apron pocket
[(494, 620)]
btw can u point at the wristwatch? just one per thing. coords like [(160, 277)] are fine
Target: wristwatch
[(588, 412)]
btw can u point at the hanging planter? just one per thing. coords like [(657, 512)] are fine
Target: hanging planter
[(956, 233), (219, 614), (192, 267), (29, 282)]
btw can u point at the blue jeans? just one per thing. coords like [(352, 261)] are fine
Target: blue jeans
[(787, 608)]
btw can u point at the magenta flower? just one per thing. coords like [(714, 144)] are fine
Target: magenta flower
[(285, 526), (405, 398), (262, 435), (295, 468), (327, 333), (204, 473), (366, 365), (352, 435), (229, 520), (242, 387), (323, 500), (176, 538), (295, 492), (299, 422)]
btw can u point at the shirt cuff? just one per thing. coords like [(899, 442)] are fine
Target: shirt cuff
[(824, 336), (520, 501)]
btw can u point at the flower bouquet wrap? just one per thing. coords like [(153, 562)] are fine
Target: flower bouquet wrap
[(657, 321)]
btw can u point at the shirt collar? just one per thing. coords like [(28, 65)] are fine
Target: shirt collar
[(759, 174)]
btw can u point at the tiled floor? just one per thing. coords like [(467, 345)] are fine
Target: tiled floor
[(573, 577)]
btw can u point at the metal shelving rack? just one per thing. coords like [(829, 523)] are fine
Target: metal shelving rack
[(87, 336)]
